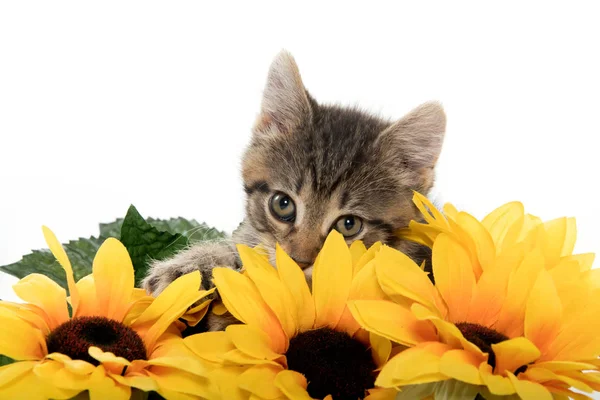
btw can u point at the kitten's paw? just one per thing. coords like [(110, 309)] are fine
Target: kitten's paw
[(202, 257), (162, 273)]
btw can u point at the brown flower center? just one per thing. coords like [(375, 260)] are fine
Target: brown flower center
[(483, 338), (74, 337), (333, 363)]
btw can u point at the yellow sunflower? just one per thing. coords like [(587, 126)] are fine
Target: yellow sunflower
[(511, 311), (116, 339), (505, 232), (292, 343)]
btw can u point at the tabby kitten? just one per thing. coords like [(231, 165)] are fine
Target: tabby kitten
[(311, 168)]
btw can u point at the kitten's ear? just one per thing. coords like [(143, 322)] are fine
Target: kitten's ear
[(285, 102), (417, 138)]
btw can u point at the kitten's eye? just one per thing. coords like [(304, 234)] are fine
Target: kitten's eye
[(283, 207), (349, 225)]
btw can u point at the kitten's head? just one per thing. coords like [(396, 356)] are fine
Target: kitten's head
[(311, 168)]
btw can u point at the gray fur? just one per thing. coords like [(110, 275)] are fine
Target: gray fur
[(332, 161)]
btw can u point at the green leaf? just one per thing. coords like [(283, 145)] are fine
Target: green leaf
[(81, 253), (192, 229), (111, 229), (5, 360), (145, 242)]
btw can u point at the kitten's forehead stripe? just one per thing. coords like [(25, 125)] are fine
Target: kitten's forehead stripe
[(344, 199), (299, 183), (258, 186)]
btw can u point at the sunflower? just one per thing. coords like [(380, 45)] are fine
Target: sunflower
[(115, 339), (511, 311), (293, 343), (505, 232)]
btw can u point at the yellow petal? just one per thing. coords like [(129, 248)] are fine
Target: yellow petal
[(210, 345), (401, 370), (454, 276), (558, 239), (260, 380), (186, 361), (418, 233), (334, 265), (106, 388), (78, 367), (364, 287), (26, 385), (237, 356), (587, 378), (114, 280), (222, 378), (219, 308), (10, 372), (293, 278), (109, 360), (62, 258), (530, 224), (543, 312), (512, 315), (484, 245), (244, 302), (171, 379), (366, 258), (461, 236), (399, 276), (561, 366), (88, 303), (168, 307), (578, 339), (381, 348), (585, 260), (542, 375), (450, 211), (272, 290), (43, 292), (448, 332), (292, 384), (430, 213), (357, 250), (195, 314), (529, 390), (252, 341), (18, 339), (54, 373), (513, 354), (497, 384), (500, 221), (461, 365), (391, 321), (489, 295), (567, 279), (144, 383), (29, 313)]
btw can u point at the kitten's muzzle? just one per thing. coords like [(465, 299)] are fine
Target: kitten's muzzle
[(303, 264)]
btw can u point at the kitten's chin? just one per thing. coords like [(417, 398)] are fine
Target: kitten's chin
[(308, 275)]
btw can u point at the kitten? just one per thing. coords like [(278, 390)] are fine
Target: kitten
[(311, 168)]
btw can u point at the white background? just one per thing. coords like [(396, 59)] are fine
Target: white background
[(104, 104)]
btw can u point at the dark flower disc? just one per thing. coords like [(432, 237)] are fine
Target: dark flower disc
[(74, 337), (333, 363), (483, 338)]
